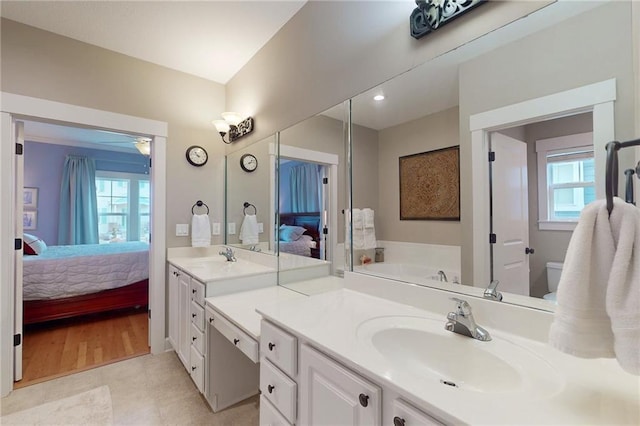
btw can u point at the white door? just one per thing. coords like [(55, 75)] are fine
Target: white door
[(18, 205), (510, 214)]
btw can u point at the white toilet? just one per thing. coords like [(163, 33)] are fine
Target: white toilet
[(554, 270)]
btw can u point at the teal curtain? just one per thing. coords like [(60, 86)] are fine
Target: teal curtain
[(78, 221), (306, 187)]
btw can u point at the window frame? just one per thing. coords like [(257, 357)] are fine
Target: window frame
[(558, 145)]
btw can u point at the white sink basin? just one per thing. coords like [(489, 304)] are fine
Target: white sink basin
[(421, 347)]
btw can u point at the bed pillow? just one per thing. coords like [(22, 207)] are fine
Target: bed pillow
[(33, 245), (291, 233)]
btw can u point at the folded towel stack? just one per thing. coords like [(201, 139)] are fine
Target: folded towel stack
[(364, 233), (598, 312), (200, 230), (249, 230)]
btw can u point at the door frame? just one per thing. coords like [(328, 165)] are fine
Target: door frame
[(24, 107), (597, 98)]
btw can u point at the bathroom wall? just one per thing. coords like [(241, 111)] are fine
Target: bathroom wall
[(44, 65), (544, 63), (43, 164), (435, 131)]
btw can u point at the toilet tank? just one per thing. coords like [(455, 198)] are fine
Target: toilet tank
[(554, 270)]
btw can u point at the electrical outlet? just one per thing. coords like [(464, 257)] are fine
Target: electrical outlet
[(182, 229), (215, 228), (260, 228), (232, 228)]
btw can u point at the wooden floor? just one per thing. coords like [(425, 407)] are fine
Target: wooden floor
[(58, 348)]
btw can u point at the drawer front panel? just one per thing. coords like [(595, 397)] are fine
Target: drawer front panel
[(197, 338), (197, 369), (279, 347), (278, 389), (269, 416), (239, 338), (196, 290), (410, 416), (197, 315)]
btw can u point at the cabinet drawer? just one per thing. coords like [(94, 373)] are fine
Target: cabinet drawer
[(269, 416), (278, 347), (197, 369), (406, 415), (197, 315), (196, 289), (278, 389), (239, 338), (197, 338)]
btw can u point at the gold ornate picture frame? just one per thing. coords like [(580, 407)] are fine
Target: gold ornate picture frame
[(430, 185)]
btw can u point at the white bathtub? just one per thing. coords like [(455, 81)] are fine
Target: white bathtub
[(408, 272)]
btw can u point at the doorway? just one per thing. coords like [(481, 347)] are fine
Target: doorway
[(15, 108)]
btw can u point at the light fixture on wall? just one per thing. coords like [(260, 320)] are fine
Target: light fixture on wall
[(144, 146), (233, 124)]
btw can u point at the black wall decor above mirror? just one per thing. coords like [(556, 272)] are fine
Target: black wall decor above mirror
[(432, 14)]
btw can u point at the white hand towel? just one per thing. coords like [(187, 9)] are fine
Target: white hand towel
[(623, 292), (370, 239), (249, 230), (581, 326), (367, 215), (200, 230), (358, 222)]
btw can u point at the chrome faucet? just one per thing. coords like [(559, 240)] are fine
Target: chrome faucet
[(442, 276), (228, 253), (491, 292), (461, 321)]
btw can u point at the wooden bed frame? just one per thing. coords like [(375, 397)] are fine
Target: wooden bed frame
[(309, 221), (129, 296)]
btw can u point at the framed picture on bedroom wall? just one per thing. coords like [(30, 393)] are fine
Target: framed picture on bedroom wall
[(30, 198), (29, 220)]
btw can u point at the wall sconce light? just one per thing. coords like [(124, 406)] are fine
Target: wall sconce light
[(144, 146), (233, 124)]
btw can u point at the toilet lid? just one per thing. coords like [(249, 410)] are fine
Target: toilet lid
[(550, 296)]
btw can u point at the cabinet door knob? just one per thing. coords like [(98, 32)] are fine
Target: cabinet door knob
[(364, 400), (270, 388), (398, 421), (271, 346), (236, 341), (193, 291), (211, 320), (193, 368), (193, 315), (193, 339)]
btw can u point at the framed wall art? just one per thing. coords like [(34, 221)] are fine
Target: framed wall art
[(29, 220), (30, 198), (430, 185)]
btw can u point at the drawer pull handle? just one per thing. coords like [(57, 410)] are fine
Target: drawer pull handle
[(193, 315), (210, 320), (236, 341), (270, 388), (364, 400), (193, 368), (193, 339), (398, 421), (271, 346)]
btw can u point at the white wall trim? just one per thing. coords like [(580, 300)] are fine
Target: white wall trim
[(24, 107), (597, 98), (287, 151)]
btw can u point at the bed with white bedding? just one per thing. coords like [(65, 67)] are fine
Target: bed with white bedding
[(65, 281), (301, 247), (309, 224)]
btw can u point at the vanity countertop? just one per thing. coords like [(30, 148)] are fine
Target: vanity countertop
[(595, 391), (240, 308)]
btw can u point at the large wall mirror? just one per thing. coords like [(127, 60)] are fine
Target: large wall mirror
[(548, 166)]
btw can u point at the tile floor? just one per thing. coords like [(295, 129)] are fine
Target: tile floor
[(147, 390)]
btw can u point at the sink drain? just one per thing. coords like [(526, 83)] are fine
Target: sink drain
[(448, 383)]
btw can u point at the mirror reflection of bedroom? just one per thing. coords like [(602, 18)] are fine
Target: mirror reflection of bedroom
[(85, 264)]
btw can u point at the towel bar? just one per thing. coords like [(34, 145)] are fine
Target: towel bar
[(199, 203)]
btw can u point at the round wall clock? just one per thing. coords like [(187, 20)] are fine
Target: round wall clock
[(248, 162), (197, 156)]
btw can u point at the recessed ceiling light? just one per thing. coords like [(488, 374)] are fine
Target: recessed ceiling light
[(378, 97)]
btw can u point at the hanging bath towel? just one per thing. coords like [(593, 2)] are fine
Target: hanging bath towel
[(200, 230)]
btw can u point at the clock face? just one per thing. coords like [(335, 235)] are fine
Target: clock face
[(248, 162), (197, 156)]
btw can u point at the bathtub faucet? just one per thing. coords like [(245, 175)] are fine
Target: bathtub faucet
[(442, 276)]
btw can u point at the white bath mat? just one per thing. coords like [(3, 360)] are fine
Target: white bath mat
[(88, 408)]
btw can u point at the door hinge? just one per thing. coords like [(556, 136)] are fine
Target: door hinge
[(325, 180), (19, 148), (149, 311), (492, 238), (149, 162), (18, 244), (17, 339), (325, 230), (492, 156)]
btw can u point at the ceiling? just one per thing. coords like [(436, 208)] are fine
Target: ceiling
[(208, 39)]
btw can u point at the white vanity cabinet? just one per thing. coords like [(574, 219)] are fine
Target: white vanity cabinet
[(186, 323)]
